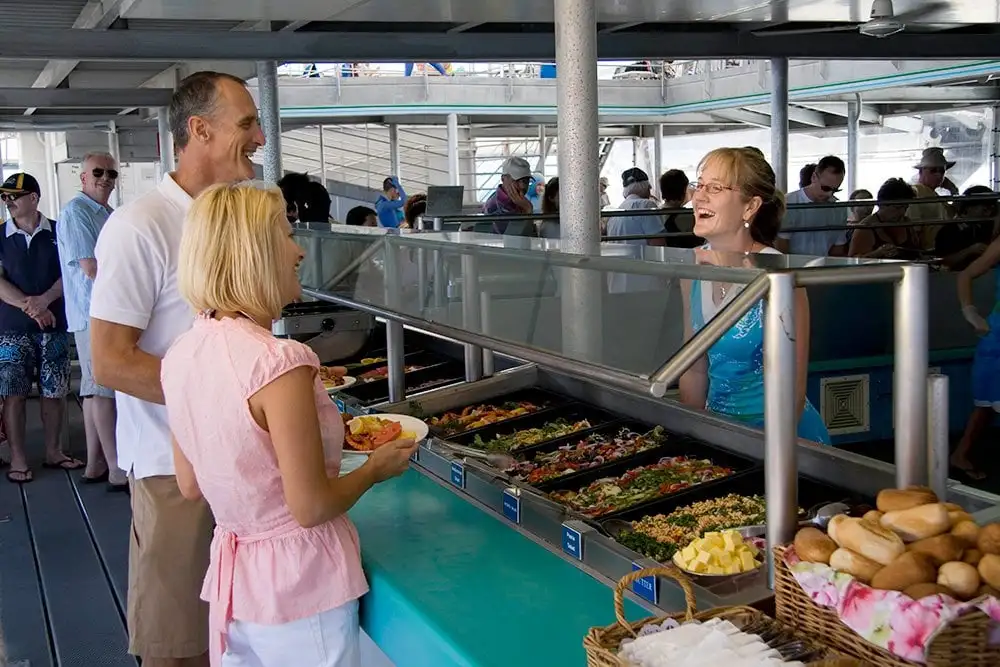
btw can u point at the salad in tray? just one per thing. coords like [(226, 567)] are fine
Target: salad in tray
[(591, 452), (383, 372), (639, 485), (660, 536), (484, 414), (557, 428)]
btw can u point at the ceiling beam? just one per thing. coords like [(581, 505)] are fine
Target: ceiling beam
[(868, 115), (96, 14), (743, 116), (725, 42), (796, 114), (83, 98), (927, 95)]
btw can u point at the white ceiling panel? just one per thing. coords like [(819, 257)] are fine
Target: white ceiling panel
[(541, 11)]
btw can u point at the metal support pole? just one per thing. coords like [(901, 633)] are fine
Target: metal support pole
[(995, 148), (394, 165), (780, 418), (910, 385), (453, 176), (166, 140), (322, 154), (440, 275), (115, 149), (270, 118), (853, 126), (543, 154), (393, 329), (779, 121), (658, 153), (486, 302), (581, 291), (937, 434), (471, 316)]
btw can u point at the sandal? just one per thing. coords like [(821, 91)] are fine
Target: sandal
[(97, 479), (66, 463), (20, 476)]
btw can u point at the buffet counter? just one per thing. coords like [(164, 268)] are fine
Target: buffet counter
[(452, 585)]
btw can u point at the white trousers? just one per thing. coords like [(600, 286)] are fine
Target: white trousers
[(328, 639)]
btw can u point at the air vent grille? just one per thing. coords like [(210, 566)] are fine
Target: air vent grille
[(845, 404)]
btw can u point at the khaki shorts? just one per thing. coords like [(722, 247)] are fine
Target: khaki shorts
[(168, 558)]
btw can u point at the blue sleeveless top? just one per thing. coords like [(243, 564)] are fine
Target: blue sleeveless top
[(736, 372)]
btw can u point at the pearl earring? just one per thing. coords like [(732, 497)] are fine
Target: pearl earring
[(746, 224)]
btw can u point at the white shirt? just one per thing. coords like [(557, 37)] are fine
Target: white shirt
[(136, 286), (815, 244)]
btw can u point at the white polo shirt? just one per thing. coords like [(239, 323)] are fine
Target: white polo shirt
[(136, 286)]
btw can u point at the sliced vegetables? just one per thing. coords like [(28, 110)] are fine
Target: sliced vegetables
[(477, 416), (556, 428), (639, 485), (591, 452)]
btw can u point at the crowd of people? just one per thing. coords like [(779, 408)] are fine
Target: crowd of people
[(241, 552)]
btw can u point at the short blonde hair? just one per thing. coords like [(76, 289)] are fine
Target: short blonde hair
[(231, 251)]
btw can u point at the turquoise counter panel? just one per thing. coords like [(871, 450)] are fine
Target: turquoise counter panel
[(453, 585)]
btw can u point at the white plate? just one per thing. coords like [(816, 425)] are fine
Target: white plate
[(348, 381), (411, 424)]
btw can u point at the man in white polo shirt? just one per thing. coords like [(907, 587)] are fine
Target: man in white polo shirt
[(136, 313)]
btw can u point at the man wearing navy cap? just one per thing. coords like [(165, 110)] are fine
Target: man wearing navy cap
[(33, 339)]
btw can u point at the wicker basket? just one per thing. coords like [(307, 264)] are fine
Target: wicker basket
[(602, 644), (963, 643)]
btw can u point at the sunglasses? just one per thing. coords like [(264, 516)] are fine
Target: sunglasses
[(829, 188), (99, 173), (8, 197)]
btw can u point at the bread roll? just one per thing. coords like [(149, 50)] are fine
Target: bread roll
[(813, 545), (918, 523), (961, 578), (834, 526), (941, 548), (989, 539), (972, 556), (958, 517), (921, 591), (895, 500), (870, 540), (989, 570), (854, 564), (874, 516), (953, 507), (909, 569), (968, 532)]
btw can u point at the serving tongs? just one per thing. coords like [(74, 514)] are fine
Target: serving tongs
[(500, 461)]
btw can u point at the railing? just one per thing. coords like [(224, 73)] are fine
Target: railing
[(525, 70)]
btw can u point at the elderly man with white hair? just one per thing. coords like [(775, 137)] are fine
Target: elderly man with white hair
[(80, 224)]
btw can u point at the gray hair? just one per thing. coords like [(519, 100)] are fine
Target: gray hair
[(98, 154), (640, 188), (196, 95)]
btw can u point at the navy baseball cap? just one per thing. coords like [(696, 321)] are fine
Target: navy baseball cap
[(633, 175), (19, 183)]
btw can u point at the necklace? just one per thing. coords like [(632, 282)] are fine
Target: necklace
[(724, 288)]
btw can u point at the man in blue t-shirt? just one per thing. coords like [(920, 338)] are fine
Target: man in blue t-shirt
[(390, 203), (33, 339)]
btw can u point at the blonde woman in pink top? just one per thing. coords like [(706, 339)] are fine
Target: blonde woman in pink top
[(256, 435)]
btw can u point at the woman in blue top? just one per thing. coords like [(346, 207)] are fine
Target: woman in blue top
[(985, 362), (738, 209)]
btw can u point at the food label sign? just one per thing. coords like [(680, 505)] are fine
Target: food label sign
[(646, 587), (572, 542), (458, 474), (511, 507)]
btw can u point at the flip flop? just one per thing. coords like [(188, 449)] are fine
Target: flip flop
[(971, 472), (67, 463), (103, 477), (26, 476)]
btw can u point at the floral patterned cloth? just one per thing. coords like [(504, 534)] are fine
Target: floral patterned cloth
[(889, 619)]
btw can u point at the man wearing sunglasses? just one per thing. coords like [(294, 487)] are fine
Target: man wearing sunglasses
[(79, 225), (33, 340), (824, 183)]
